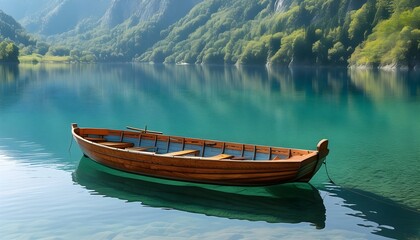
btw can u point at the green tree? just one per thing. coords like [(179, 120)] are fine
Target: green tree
[(293, 48), (255, 53), (87, 57), (42, 48), (9, 52), (394, 41), (58, 51), (337, 54), (360, 25), (320, 52)]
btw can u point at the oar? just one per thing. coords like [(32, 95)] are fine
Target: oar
[(143, 130)]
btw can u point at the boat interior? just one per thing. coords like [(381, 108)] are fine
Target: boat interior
[(165, 145)]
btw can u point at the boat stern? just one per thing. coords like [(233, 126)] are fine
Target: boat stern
[(322, 148), (322, 152)]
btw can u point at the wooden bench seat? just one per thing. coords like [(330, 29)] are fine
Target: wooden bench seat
[(220, 157), (182, 153), (117, 144)]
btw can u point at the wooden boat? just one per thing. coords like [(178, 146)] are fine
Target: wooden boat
[(197, 160)]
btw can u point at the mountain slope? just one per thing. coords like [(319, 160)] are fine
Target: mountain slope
[(12, 30), (279, 32), (60, 16), (394, 43), (127, 29), (293, 32), (252, 32), (141, 10)]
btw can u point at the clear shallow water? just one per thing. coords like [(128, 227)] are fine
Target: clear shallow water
[(371, 119)]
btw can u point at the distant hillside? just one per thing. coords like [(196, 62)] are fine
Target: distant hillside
[(60, 16), (135, 10), (292, 32), (12, 30), (127, 29), (368, 33)]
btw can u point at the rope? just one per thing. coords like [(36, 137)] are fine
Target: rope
[(328, 175), (71, 144), (365, 195)]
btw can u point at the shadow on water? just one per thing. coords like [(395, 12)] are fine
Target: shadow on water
[(289, 203), (389, 218)]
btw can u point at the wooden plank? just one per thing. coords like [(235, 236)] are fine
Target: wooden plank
[(96, 139), (117, 144), (193, 141), (140, 148), (280, 151), (93, 131), (220, 156), (182, 153), (239, 158), (263, 149), (234, 146)]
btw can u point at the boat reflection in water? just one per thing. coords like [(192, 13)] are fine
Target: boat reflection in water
[(383, 216), (286, 203)]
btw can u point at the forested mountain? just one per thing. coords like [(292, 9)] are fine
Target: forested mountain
[(138, 11), (279, 32), (11, 33), (127, 29), (12, 30), (287, 32)]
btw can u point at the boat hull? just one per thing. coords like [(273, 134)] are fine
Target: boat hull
[(200, 169)]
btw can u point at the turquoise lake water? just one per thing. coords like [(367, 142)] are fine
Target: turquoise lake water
[(49, 190)]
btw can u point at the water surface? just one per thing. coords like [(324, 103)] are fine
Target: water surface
[(370, 118)]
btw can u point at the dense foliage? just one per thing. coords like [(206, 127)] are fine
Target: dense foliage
[(277, 32), (394, 42), (123, 33), (310, 32), (9, 52), (12, 39)]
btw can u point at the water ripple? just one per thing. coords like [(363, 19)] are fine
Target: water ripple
[(26, 152)]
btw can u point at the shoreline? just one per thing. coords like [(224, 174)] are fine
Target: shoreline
[(66, 60)]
